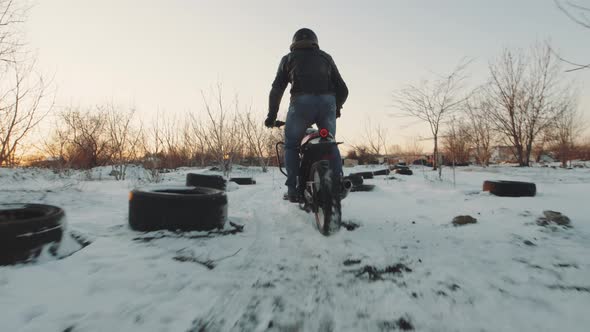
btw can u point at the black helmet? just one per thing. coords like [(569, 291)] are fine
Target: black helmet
[(305, 36)]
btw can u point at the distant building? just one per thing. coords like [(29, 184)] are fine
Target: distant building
[(49, 162), (546, 158), (503, 154), (350, 162), (392, 160)]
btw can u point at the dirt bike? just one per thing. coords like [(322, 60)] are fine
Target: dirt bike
[(320, 190)]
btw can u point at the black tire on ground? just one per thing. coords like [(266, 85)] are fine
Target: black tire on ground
[(205, 180), (404, 171), (243, 181), (356, 179), (26, 228), (510, 188), (364, 175), (363, 187), (185, 209), (382, 172)]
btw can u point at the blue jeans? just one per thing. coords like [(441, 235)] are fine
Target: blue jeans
[(304, 111)]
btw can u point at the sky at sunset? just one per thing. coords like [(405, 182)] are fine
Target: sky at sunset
[(160, 55)]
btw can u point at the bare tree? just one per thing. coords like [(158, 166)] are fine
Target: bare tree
[(582, 151), (195, 137), (223, 134), (273, 138), (166, 144), (414, 148), (395, 150), (257, 137), (566, 130), (125, 139), (456, 142), (526, 94), (174, 151), (58, 147), (480, 128), (579, 14), (12, 15), (362, 154), (152, 147), (373, 144), (542, 143), (433, 101), (87, 133), (21, 108), (189, 146), (375, 138), (22, 92)]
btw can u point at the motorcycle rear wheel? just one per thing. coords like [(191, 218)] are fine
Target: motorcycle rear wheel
[(326, 199)]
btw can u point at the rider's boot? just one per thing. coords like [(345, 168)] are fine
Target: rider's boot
[(291, 195)]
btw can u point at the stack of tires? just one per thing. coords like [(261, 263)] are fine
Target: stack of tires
[(510, 188), (243, 181), (215, 181), (357, 180), (25, 229), (177, 209), (402, 169), (204, 180), (385, 171), (364, 175), (200, 206)]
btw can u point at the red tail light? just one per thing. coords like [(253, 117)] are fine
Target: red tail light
[(324, 133)]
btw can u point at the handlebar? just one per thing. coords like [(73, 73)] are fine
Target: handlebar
[(279, 124)]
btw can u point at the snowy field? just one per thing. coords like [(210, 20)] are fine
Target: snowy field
[(406, 267)]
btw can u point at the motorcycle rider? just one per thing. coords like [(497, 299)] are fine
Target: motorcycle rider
[(317, 95)]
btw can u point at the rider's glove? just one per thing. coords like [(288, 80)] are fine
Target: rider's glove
[(338, 113), (270, 121)]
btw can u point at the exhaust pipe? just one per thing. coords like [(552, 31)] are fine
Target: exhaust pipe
[(346, 187)]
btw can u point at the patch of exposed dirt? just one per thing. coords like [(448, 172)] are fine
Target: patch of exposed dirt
[(463, 220), (349, 225), (570, 288), (401, 324), (149, 237), (373, 273), (350, 262)]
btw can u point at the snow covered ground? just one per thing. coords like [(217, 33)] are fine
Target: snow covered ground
[(405, 267)]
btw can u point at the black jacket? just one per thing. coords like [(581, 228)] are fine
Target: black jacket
[(310, 71)]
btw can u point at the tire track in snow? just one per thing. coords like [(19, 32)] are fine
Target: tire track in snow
[(285, 283)]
